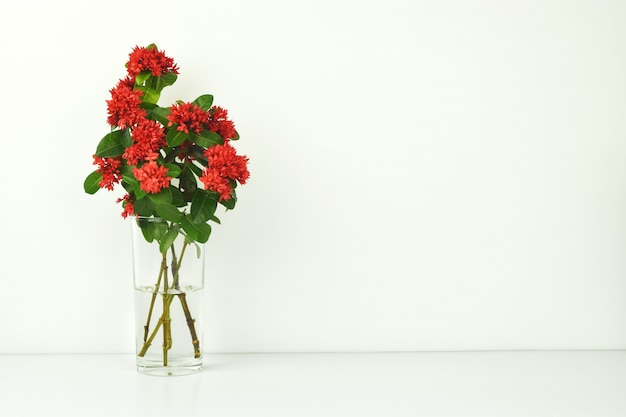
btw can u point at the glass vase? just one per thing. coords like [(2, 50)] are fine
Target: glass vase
[(168, 286)]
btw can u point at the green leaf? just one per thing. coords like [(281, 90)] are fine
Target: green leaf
[(175, 137), (150, 95), (168, 79), (130, 179), (236, 137), (92, 182), (168, 239), (155, 84), (169, 212), (126, 140), (144, 207), (178, 199), (199, 232), (163, 196), (204, 101), (195, 169), (160, 229), (214, 194), (146, 230), (142, 77), (110, 146), (188, 184), (126, 169), (202, 207), (173, 170), (230, 204), (206, 138), (215, 219), (160, 115), (152, 228), (148, 106)]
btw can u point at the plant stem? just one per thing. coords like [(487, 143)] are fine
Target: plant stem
[(167, 331), (180, 261), (148, 342), (175, 266), (191, 324), (167, 320), (146, 328), (183, 301)]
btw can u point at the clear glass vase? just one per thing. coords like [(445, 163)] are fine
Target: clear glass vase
[(168, 290)]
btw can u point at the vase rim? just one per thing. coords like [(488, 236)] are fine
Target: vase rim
[(149, 218)]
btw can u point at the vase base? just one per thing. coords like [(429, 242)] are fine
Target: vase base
[(176, 369)]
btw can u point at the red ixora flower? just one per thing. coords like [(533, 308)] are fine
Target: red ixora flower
[(148, 139), (127, 204), (152, 177), (110, 170), (224, 166), (150, 59), (187, 116), (123, 108), (218, 122)]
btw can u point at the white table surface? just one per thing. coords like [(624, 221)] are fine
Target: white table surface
[(502, 384)]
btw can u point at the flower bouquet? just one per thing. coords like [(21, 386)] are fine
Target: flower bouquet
[(176, 165)]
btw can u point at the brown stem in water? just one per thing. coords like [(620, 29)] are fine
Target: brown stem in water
[(146, 328), (191, 324)]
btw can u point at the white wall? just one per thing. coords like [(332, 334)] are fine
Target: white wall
[(425, 174)]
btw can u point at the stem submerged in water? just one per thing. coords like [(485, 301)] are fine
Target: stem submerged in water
[(167, 330), (167, 298), (165, 320), (191, 324), (162, 271)]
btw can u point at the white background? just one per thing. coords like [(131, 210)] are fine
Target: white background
[(425, 175)]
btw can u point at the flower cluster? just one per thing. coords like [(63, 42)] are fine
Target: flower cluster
[(152, 177), (188, 116), (110, 170), (224, 167), (148, 139), (172, 160), (124, 106), (150, 59), (127, 203)]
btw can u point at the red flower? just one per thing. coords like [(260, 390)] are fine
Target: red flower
[(150, 59), (124, 107), (148, 140), (187, 116), (152, 177), (214, 182), (110, 169), (218, 122), (224, 166), (230, 165), (127, 204)]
